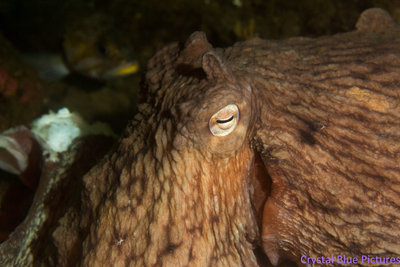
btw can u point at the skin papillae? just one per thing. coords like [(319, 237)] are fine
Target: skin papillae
[(318, 118)]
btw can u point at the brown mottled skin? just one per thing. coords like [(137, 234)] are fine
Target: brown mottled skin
[(319, 120), (323, 113), (181, 197)]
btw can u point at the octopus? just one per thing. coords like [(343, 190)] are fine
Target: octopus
[(251, 155)]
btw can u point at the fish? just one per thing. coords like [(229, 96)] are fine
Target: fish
[(93, 47)]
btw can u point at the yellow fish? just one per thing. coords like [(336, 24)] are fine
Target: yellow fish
[(93, 47)]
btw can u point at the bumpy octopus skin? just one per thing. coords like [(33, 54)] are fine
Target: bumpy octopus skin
[(246, 156), (317, 118), (180, 197)]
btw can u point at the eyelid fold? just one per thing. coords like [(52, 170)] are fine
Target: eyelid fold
[(224, 121)]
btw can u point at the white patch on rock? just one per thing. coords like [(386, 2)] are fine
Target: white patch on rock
[(57, 131)]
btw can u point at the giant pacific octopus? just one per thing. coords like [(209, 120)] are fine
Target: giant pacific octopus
[(250, 155)]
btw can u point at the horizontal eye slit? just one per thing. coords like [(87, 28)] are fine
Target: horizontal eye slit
[(225, 121)]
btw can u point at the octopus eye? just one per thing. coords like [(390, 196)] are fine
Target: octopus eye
[(224, 121)]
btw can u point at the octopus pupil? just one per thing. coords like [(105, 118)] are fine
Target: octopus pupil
[(225, 121)]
